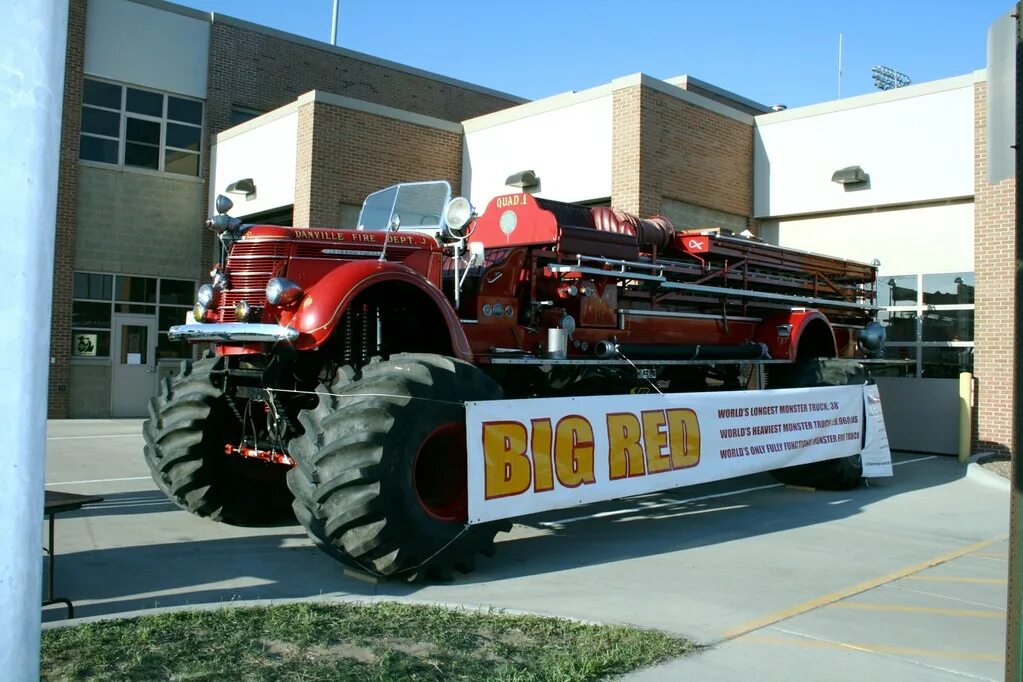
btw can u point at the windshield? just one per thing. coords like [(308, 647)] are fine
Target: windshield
[(418, 205)]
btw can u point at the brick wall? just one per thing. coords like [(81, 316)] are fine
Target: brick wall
[(694, 155), (257, 70), (626, 139), (67, 200), (667, 149), (994, 266), (344, 154)]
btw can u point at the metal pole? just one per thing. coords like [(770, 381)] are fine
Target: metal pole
[(333, 23), (839, 66), (33, 39), (1013, 644)]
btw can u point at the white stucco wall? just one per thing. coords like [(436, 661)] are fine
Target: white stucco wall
[(566, 140), (142, 45), (916, 143), (263, 149), (906, 241)]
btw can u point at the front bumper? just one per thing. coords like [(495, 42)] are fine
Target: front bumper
[(233, 331)]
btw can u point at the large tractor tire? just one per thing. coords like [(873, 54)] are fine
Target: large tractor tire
[(189, 423), (381, 481), (843, 473)]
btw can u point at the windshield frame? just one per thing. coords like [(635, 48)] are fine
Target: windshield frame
[(397, 189)]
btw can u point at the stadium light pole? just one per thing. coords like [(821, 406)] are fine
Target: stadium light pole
[(886, 78), (33, 44)]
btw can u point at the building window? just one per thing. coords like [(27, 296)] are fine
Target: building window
[(96, 297), (131, 127), (929, 321)]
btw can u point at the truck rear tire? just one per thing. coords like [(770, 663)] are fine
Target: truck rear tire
[(380, 478), (189, 424), (843, 473)]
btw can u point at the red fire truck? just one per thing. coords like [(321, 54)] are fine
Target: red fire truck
[(341, 358)]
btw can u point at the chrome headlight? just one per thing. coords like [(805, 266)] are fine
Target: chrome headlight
[(205, 294), (242, 311), (282, 291), (457, 216)]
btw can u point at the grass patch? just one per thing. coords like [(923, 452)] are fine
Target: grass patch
[(387, 641)]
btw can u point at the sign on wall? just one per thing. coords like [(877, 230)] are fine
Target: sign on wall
[(84, 344), (527, 456)]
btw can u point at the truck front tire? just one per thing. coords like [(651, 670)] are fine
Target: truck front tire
[(189, 424), (380, 481)]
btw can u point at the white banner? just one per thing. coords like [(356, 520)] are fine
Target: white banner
[(876, 456), (527, 456)]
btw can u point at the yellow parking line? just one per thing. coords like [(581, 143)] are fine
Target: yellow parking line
[(968, 613), (798, 609), (875, 648), (958, 579), (992, 555)]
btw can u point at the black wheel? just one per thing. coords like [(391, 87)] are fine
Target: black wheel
[(380, 481), (189, 424), (833, 474)]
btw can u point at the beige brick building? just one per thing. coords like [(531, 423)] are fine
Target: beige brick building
[(150, 136), (148, 85)]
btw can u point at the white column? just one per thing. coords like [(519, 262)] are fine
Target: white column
[(33, 42)]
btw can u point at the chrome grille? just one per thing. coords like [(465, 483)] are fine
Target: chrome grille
[(250, 266)]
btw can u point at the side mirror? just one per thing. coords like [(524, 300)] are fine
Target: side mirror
[(223, 204)]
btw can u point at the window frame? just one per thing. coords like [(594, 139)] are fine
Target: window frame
[(162, 120), (920, 309), (114, 300)]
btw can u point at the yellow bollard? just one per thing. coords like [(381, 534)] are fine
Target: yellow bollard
[(965, 415)]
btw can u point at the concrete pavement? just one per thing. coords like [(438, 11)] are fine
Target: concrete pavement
[(901, 580)]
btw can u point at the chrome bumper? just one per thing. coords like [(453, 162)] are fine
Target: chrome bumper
[(233, 331)]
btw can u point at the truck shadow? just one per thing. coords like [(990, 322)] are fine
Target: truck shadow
[(281, 563), (689, 518)]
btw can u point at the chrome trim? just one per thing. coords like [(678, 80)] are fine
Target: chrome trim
[(695, 316), (620, 274), (233, 331), (765, 295)]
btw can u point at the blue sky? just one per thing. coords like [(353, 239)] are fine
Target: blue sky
[(782, 51)]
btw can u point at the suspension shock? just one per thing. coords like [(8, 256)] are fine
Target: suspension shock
[(366, 321), (348, 335)]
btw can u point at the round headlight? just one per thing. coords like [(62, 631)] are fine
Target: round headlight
[(199, 312), (241, 311), (871, 337), (282, 291), (457, 216), (205, 294)]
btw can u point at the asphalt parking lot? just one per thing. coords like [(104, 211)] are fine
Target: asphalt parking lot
[(901, 580)]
